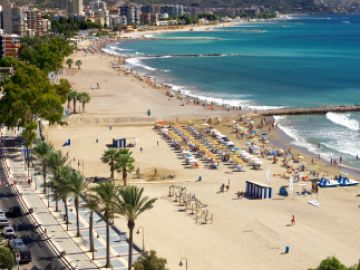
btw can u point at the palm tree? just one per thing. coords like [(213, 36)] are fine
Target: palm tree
[(42, 151), (75, 98), (125, 163), (92, 205), (70, 96), (105, 194), (78, 63), (55, 161), (29, 136), (130, 203), (61, 185), (84, 98), (110, 157), (77, 186), (69, 62)]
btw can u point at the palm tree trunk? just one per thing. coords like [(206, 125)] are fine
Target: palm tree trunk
[(56, 202), (112, 170), (124, 176), (74, 105), (66, 214), (77, 216), (83, 107), (44, 178), (68, 104), (131, 226), (107, 241), (91, 234)]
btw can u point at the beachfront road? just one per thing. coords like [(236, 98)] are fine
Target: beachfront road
[(43, 258)]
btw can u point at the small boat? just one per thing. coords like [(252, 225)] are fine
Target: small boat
[(346, 182), (327, 183)]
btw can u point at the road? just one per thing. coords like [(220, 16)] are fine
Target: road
[(43, 257)]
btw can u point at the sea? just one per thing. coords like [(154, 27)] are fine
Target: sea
[(298, 61)]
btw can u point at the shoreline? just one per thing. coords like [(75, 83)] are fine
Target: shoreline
[(116, 109), (189, 98), (225, 104)]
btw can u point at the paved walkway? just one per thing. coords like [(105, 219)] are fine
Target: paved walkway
[(75, 257), (54, 227)]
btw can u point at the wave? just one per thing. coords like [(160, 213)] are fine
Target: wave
[(343, 120), (299, 140), (151, 37), (110, 51), (226, 100), (137, 62)]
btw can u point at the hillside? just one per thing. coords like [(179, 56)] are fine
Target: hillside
[(281, 5)]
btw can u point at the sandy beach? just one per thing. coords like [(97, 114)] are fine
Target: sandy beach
[(245, 234)]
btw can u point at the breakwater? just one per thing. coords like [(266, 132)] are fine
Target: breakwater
[(311, 110)]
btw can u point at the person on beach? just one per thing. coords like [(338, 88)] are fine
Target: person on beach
[(340, 159), (141, 149), (222, 188), (239, 194), (293, 220)]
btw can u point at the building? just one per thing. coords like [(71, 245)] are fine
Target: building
[(147, 9), (36, 25), (173, 10), (149, 19), (14, 20), (75, 8), (9, 45), (132, 14), (252, 12)]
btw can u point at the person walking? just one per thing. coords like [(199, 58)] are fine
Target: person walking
[(293, 222)]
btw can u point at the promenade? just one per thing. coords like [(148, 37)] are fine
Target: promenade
[(71, 249)]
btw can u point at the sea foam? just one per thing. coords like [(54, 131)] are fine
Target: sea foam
[(343, 120)]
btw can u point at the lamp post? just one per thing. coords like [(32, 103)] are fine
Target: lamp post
[(143, 236), (186, 262)]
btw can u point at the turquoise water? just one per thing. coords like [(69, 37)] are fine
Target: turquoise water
[(304, 61)]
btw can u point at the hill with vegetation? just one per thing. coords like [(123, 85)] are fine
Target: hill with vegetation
[(281, 5)]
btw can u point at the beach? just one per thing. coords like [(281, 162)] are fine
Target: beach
[(244, 234)]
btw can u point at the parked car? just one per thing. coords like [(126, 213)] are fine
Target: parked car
[(18, 244), (8, 232), (2, 212), (3, 221), (14, 211)]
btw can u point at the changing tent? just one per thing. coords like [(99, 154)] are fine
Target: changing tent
[(256, 190)]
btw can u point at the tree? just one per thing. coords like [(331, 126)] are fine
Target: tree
[(77, 186), (63, 89), (42, 151), (110, 157), (69, 62), (92, 205), (7, 260), (331, 263), (29, 136), (149, 261), (61, 186), (27, 96), (130, 203), (46, 53), (69, 97), (78, 63), (55, 161), (105, 194), (73, 96), (125, 163), (84, 98)]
